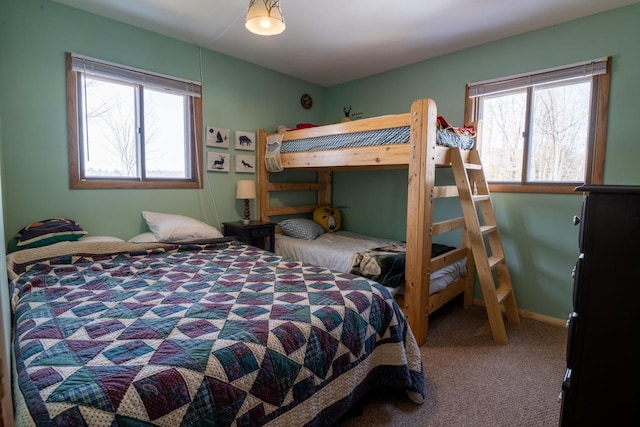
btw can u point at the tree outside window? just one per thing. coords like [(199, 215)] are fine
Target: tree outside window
[(544, 131), (130, 129)]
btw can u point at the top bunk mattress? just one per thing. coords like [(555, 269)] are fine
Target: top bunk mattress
[(391, 136)]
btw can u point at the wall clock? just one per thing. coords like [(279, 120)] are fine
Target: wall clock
[(306, 101)]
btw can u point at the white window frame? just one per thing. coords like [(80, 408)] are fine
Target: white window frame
[(599, 70), (78, 64)]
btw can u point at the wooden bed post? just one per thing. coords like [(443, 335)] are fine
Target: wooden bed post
[(420, 216), (324, 194), (263, 178)]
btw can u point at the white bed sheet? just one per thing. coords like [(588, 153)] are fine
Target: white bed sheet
[(334, 251)]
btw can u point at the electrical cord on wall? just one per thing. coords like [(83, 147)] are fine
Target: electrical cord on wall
[(232, 23), (203, 209)]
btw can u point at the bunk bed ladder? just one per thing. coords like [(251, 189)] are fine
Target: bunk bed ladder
[(486, 244)]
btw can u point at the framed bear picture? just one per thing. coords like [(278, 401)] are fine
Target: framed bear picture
[(245, 140)]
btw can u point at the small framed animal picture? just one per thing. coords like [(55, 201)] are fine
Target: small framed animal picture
[(217, 137), (218, 162), (245, 163), (245, 140)]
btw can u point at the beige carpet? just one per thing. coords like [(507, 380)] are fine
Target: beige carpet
[(472, 381)]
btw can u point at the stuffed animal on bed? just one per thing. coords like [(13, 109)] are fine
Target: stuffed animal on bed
[(329, 218)]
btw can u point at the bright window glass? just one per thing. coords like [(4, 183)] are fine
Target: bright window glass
[(544, 131), (130, 129)]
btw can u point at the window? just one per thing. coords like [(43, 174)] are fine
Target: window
[(543, 131), (130, 128)]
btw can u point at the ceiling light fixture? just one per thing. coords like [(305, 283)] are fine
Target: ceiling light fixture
[(264, 17)]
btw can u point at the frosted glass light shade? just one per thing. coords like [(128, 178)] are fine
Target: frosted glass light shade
[(264, 17)]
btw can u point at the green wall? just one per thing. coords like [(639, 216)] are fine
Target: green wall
[(5, 313), (34, 35), (540, 241), (5, 318)]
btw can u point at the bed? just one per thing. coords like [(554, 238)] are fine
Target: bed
[(206, 333), (416, 140), (378, 259)]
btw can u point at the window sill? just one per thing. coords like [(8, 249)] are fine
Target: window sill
[(534, 188)]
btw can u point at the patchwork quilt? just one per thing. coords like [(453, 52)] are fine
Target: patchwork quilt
[(219, 334)]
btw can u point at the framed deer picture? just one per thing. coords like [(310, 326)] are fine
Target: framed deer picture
[(245, 163), (245, 140), (218, 162)]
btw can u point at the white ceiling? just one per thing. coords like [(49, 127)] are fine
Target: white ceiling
[(329, 42)]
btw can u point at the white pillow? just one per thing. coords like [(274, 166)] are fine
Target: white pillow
[(178, 228), (143, 238)]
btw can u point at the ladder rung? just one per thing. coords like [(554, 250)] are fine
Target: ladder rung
[(474, 195), (486, 229), (473, 166), (502, 293), (495, 260), (480, 197)]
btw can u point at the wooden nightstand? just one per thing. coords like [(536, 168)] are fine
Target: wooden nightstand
[(256, 233)]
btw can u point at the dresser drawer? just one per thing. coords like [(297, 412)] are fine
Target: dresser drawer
[(577, 276), (257, 233), (581, 221), (572, 324)]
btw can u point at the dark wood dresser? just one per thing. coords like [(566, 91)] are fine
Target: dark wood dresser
[(603, 329)]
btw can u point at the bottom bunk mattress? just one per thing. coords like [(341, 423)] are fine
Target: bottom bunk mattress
[(216, 334), (379, 259)]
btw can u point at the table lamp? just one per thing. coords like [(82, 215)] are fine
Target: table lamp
[(246, 189)]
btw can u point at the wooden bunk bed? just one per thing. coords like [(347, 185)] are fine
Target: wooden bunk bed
[(421, 155)]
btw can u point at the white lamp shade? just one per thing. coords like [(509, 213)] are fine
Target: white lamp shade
[(246, 189), (264, 17)]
